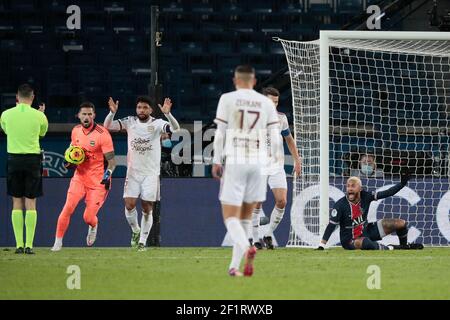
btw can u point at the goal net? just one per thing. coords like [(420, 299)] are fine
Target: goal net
[(370, 104)]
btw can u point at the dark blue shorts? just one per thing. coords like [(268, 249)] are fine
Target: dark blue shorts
[(370, 231)]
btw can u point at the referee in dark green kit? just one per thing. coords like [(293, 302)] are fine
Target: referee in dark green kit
[(24, 126)]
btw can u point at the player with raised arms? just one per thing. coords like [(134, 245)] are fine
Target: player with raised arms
[(350, 213), (143, 161), (243, 118), (92, 177)]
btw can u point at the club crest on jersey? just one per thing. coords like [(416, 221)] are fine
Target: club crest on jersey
[(92, 143), (151, 129)]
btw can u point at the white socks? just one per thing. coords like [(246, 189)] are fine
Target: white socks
[(247, 226), (57, 245), (255, 223), (132, 219), (275, 218), (146, 226), (239, 231)]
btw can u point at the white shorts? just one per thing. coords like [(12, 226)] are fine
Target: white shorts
[(144, 187), (242, 183), (278, 180)]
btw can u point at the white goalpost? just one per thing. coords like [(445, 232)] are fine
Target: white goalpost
[(380, 97)]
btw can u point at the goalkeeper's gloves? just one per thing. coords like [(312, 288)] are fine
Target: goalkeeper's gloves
[(107, 179), (404, 176)]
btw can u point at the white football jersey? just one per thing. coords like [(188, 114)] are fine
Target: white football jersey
[(248, 116), (278, 158), (144, 144)]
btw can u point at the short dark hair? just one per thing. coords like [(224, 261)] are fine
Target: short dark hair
[(245, 69), (87, 104), (25, 91), (146, 99), (271, 91)]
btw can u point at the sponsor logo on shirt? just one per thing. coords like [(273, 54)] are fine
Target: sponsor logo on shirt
[(141, 145)]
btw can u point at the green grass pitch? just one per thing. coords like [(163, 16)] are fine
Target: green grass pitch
[(201, 273)]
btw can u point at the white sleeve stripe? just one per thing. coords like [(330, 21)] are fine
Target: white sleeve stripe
[(334, 222)]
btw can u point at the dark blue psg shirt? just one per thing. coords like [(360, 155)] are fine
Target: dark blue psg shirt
[(352, 217)]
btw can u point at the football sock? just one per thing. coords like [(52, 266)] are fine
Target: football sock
[(255, 224), (237, 256), (64, 218), (275, 218), (132, 219), (403, 235), (30, 224), (58, 242), (17, 222), (146, 226), (247, 225), (237, 233)]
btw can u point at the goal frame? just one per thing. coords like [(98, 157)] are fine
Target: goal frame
[(324, 41)]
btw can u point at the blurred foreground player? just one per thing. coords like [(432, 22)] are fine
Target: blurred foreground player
[(243, 119), (350, 213), (143, 161), (92, 178)]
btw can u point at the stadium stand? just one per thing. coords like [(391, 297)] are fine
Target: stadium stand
[(69, 66)]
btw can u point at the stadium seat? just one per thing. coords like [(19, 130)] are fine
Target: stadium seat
[(23, 6), (172, 7), (250, 48)]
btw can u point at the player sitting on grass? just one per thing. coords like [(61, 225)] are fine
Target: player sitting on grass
[(350, 213)]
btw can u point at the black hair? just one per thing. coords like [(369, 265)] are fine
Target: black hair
[(271, 91), (146, 99), (25, 91), (87, 104)]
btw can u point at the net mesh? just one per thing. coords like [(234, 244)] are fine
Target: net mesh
[(389, 108)]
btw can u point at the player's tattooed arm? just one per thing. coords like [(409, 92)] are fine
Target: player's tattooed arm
[(110, 157)]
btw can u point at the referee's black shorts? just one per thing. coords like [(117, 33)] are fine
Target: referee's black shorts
[(24, 175)]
